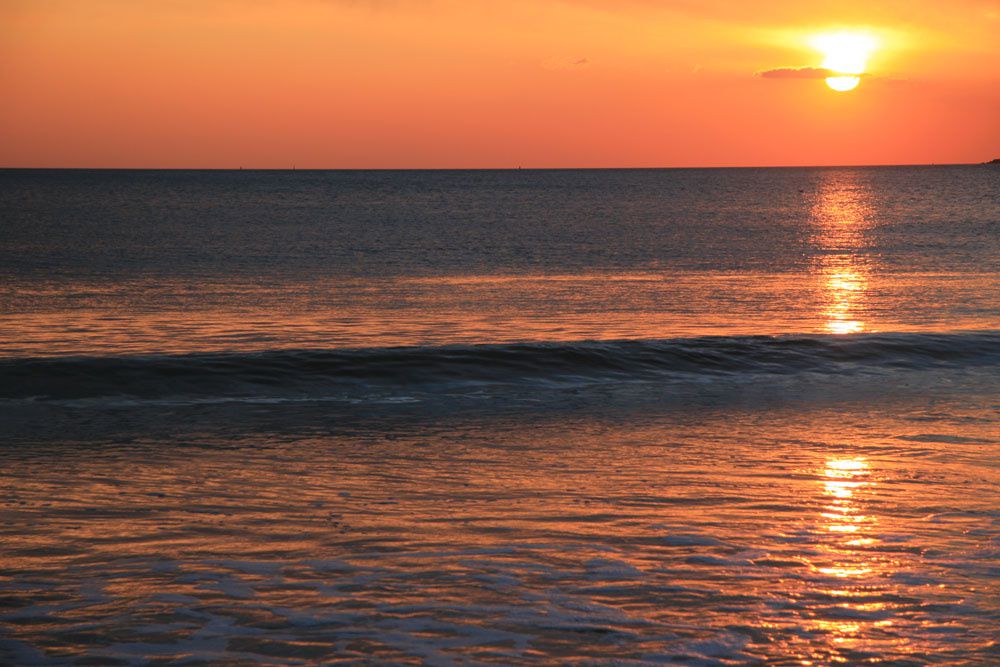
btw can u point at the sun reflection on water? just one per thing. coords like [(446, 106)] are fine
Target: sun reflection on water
[(841, 216), (850, 532), (843, 479)]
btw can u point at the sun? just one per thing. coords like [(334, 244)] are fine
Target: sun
[(846, 56), (843, 83)]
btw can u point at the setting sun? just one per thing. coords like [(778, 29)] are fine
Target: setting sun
[(477, 332), (846, 57), (843, 83)]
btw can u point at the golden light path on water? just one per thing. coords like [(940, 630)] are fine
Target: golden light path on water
[(849, 532), (842, 215)]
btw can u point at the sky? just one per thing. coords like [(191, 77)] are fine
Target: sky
[(492, 83)]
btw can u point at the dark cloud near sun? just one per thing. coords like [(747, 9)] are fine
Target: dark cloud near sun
[(796, 73), (565, 63), (819, 73)]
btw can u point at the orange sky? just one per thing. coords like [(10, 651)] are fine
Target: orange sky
[(489, 83)]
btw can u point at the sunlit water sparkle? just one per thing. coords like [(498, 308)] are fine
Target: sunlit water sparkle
[(784, 451)]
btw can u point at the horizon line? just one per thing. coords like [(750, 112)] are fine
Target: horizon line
[(515, 168)]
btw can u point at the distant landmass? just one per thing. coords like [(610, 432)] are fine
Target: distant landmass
[(997, 161)]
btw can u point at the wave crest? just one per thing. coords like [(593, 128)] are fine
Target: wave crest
[(324, 373)]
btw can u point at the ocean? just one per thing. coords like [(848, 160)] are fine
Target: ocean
[(630, 417)]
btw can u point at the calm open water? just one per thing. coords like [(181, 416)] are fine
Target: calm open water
[(693, 417)]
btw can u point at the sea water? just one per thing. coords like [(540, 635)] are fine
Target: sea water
[(700, 417)]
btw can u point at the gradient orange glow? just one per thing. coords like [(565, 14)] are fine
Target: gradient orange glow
[(443, 83)]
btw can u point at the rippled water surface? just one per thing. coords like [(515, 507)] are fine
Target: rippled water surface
[(800, 533), (719, 417), (133, 262)]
